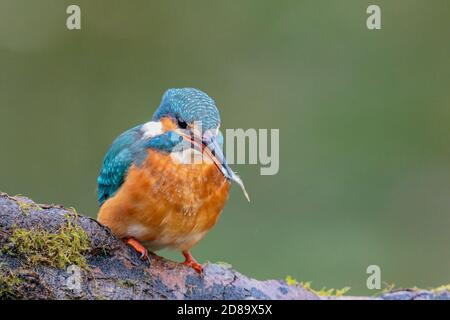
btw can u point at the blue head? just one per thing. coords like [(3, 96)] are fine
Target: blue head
[(188, 106), (198, 121)]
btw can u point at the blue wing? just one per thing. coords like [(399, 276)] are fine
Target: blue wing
[(128, 148), (116, 163)]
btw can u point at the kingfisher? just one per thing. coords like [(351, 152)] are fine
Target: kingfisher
[(164, 183)]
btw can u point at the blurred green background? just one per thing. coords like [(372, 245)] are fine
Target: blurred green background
[(364, 119)]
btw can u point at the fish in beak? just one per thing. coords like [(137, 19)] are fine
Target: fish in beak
[(209, 145)]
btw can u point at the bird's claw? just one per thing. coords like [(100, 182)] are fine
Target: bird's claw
[(136, 245), (192, 263)]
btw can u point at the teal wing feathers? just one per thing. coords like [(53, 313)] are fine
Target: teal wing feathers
[(116, 163), (129, 148)]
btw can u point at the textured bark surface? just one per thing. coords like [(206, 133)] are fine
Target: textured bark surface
[(115, 271)]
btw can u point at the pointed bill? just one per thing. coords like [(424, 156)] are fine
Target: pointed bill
[(211, 147)]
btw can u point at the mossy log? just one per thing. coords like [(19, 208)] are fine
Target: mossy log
[(50, 252)]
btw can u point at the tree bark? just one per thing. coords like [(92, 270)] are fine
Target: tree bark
[(115, 271)]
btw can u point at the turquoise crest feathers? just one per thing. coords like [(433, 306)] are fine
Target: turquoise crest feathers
[(190, 105)]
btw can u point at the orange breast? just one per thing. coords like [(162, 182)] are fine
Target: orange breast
[(167, 204)]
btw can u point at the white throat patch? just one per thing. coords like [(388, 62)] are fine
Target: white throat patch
[(151, 129)]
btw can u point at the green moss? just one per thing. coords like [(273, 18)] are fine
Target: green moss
[(26, 206), (61, 249), (324, 292), (441, 288), (74, 211), (8, 284), (391, 288), (388, 287), (445, 287)]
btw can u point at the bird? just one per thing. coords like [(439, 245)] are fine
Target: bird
[(164, 183)]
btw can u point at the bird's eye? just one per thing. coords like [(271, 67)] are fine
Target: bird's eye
[(181, 124)]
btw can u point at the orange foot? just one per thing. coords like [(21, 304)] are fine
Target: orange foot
[(191, 262), (138, 247)]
